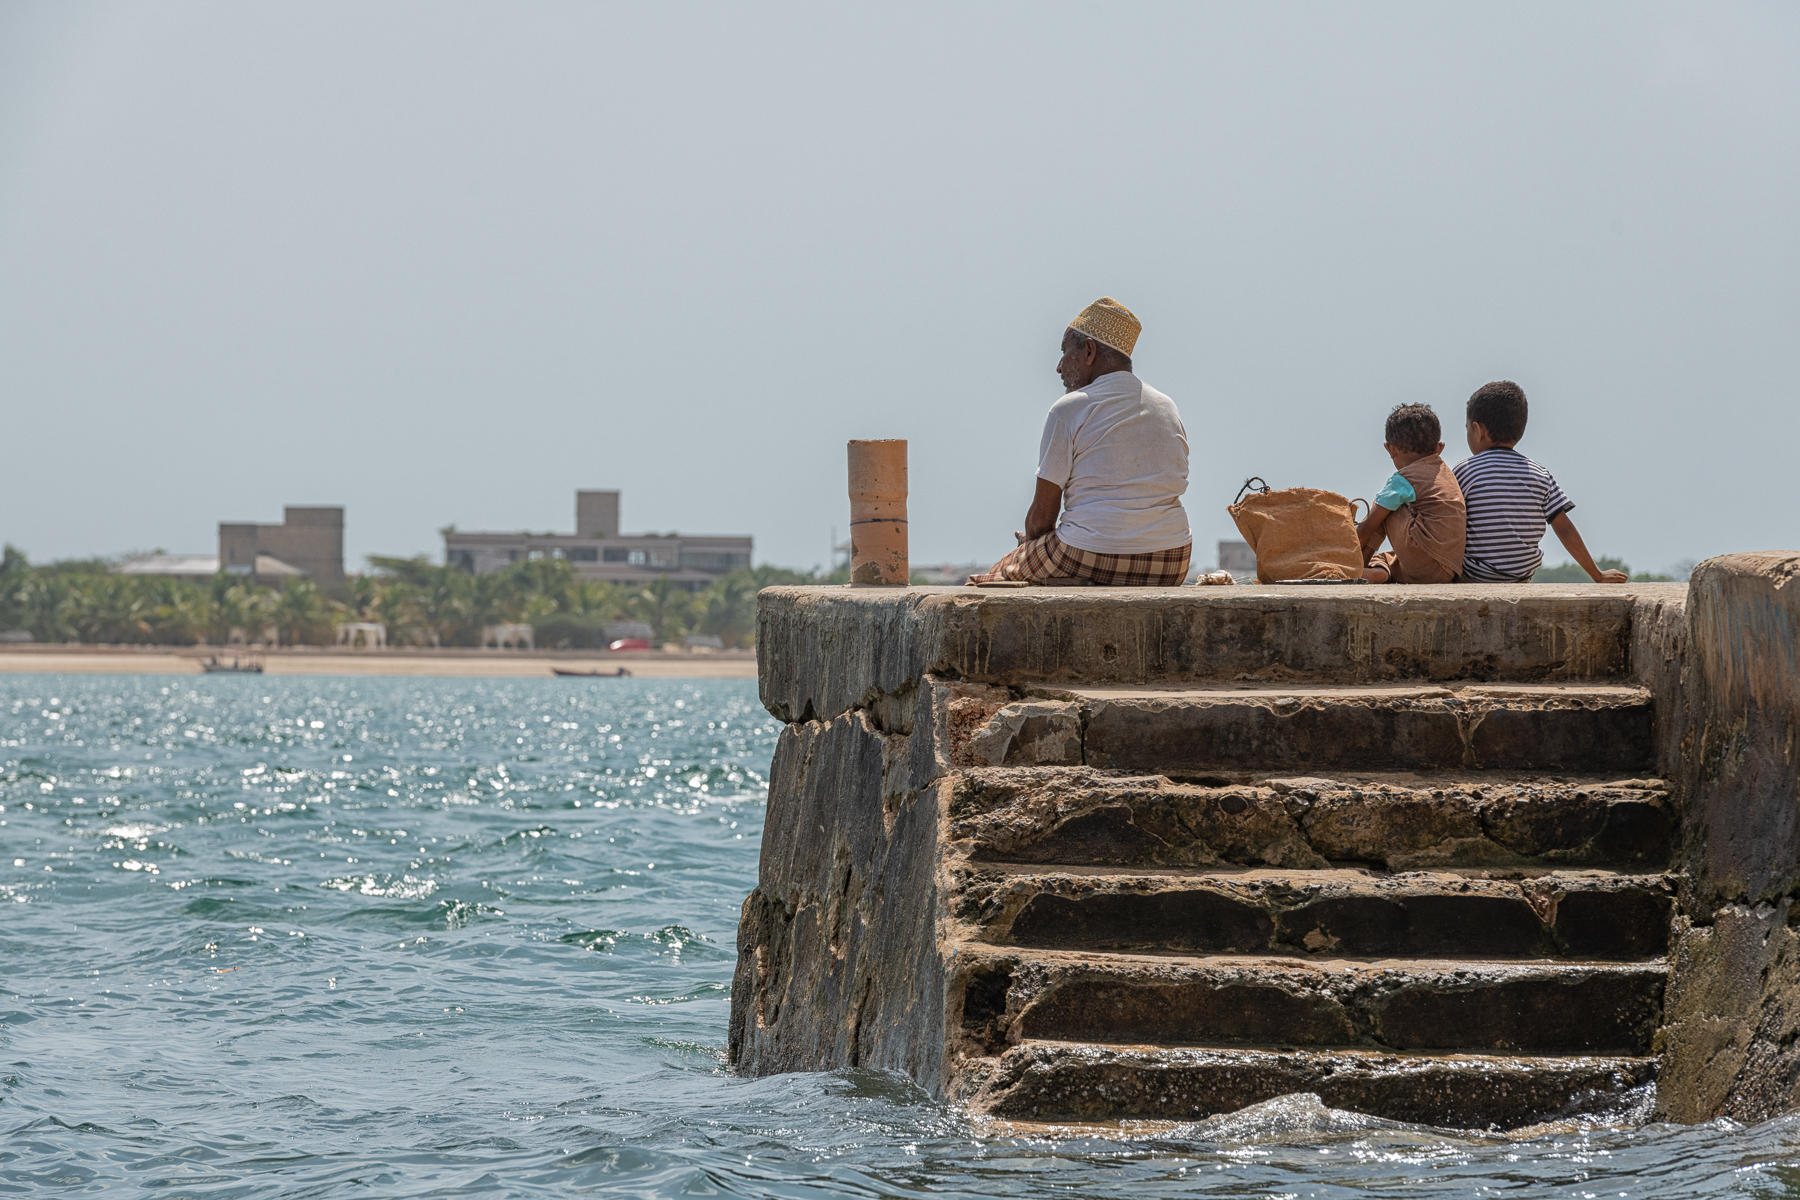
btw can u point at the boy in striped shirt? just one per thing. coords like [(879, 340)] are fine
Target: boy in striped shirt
[(1510, 498)]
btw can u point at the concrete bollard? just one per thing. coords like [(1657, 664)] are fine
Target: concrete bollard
[(878, 512)]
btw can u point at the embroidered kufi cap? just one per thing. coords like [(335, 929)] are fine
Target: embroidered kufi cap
[(1108, 321)]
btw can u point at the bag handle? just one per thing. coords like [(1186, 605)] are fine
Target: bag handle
[(1353, 504), (1249, 486)]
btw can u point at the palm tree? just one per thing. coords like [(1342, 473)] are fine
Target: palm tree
[(44, 607), (598, 601), (222, 610), (180, 611), (421, 602), (15, 572), (552, 578), (728, 608), (663, 605), (302, 614), (240, 610), (107, 609), (364, 591)]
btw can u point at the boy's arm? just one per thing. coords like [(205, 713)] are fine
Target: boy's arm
[(1372, 530), (1394, 495), (1570, 537)]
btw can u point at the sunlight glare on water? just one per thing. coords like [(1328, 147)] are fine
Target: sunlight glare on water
[(285, 937)]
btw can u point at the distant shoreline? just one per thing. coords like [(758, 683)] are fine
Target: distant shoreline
[(314, 660)]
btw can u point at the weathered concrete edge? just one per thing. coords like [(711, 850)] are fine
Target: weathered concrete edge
[(1659, 642), (840, 958), (821, 652), (1729, 690), (824, 651)]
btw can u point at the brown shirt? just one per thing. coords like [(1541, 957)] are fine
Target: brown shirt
[(1427, 535)]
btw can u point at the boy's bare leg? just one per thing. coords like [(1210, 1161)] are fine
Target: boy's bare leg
[(1373, 531), (1370, 534)]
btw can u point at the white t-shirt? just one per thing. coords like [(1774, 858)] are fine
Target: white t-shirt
[(1118, 451)]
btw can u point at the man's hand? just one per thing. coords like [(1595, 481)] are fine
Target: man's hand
[(1612, 577)]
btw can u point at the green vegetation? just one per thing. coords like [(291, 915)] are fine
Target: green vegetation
[(1568, 572), (421, 603)]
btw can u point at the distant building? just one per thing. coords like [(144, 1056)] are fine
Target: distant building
[(311, 539), (267, 570), (309, 543), (1239, 559), (598, 550)]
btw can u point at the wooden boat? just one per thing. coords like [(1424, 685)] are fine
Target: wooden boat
[(570, 673), (215, 665)]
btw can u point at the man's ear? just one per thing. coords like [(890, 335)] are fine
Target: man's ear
[(1440, 449)]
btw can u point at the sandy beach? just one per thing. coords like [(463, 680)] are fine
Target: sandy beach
[(168, 660)]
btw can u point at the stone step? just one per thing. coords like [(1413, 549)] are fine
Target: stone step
[(1393, 1004), (1052, 1081), (824, 651), (1341, 913), (1475, 726), (1391, 820)]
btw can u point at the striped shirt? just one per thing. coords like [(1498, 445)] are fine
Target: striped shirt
[(1510, 499)]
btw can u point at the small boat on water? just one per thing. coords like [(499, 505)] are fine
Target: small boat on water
[(569, 673), (248, 665)]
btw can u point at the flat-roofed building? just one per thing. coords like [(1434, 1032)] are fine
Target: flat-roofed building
[(598, 550), (267, 570), (309, 543), (309, 537)]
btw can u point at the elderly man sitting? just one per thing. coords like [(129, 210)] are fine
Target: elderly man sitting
[(1113, 462)]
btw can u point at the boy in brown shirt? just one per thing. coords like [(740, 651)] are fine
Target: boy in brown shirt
[(1420, 509)]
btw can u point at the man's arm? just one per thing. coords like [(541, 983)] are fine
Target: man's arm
[(1372, 530), (1570, 537), (1046, 506)]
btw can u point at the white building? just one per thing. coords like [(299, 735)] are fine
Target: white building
[(1239, 559), (598, 550)]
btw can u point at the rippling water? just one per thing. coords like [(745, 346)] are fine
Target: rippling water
[(315, 937)]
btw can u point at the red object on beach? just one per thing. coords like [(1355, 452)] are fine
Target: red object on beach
[(630, 644)]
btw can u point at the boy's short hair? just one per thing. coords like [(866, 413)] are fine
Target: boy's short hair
[(1414, 429), (1500, 407)]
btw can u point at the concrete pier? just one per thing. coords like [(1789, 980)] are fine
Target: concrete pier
[(1448, 854)]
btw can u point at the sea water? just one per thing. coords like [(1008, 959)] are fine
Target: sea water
[(286, 937)]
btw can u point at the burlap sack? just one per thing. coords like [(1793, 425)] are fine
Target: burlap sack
[(1300, 533)]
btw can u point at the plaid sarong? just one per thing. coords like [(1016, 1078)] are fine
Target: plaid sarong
[(1046, 558)]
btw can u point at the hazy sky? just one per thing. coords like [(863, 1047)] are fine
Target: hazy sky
[(447, 262)]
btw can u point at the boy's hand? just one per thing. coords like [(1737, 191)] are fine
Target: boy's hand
[(1613, 577)]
